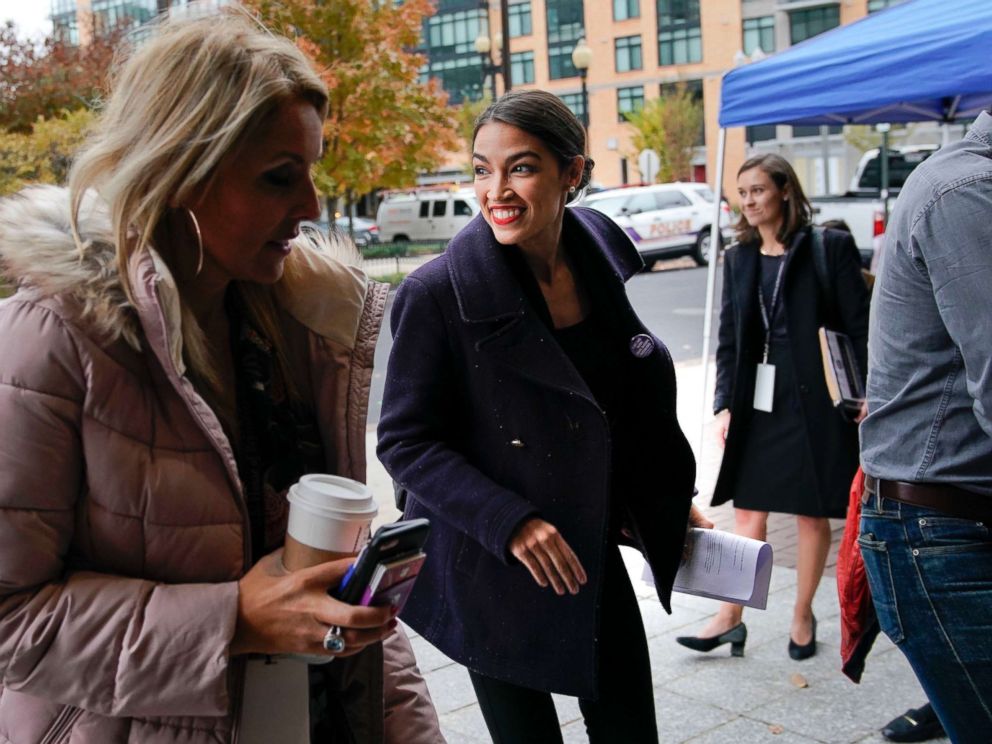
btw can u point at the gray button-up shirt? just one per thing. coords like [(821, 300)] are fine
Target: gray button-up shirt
[(930, 333)]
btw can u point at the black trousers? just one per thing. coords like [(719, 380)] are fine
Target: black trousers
[(624, 711)]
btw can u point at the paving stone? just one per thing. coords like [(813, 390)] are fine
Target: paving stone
[(451, 688), (748, 731), (680, 718), (465, 725), (428, 657)]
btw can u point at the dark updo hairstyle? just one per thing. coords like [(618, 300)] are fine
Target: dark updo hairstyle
[(546, 117), (798, 213)]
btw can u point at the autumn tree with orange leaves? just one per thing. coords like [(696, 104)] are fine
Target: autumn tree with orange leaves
[(51, 78), (384, 126)]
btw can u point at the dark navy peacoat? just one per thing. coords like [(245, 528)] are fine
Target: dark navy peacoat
[(486, 423)]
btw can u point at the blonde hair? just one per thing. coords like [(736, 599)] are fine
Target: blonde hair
[(185, 98)]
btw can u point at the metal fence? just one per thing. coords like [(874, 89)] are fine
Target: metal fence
[(382, 259)]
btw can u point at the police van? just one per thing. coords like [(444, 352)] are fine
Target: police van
[(664, 220), (425, 214)]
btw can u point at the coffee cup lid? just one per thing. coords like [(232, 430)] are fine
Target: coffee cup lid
[(334, 493)]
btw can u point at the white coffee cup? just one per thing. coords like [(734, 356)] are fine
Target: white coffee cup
[(330, 517)]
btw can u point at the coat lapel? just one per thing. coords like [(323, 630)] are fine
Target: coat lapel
[(488, 293), (746, 283)]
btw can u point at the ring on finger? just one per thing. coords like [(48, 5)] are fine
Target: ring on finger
[(334, 641)]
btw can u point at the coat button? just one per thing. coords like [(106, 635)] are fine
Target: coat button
[(804, 388), (517, 443)]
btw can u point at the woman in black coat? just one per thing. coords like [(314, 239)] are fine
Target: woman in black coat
[(531, 416), (787, 448)]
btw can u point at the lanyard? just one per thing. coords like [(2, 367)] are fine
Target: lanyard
[(768, 314)]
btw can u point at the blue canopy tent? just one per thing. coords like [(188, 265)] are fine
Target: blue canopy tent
[(923, 60)]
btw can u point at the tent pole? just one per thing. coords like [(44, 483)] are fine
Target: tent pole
[(711, 281)]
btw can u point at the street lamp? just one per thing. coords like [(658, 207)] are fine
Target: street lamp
[(484, 46), (581, 59)]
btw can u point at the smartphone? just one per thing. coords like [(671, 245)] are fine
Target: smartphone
[(387, 567)]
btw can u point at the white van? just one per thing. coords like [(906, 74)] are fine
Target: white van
[(425, 214)]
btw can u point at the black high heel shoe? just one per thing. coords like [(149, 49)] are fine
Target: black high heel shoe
[(736, 637), (798, 652)]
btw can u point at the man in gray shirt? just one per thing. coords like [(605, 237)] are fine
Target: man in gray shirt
[(926, 445)]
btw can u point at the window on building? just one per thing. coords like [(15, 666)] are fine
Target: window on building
[(813, 130), (759, 32), (805, 24), (113, 14), (565, 28), (520, 19), (628, 53), (448, 44), (760, 133), (695, 89), (876, 5), (455, 33), (679, 35), (522, 68), (628, 100), (460, 76), (575, 103), (624, 9)]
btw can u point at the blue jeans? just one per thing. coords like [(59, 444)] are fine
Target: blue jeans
[(931, 580)]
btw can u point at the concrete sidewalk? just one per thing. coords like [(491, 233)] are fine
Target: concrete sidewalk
[(714, 698)]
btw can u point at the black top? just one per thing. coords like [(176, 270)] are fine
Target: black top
[(770, 266), (279, 439)]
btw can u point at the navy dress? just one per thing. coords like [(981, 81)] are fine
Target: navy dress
[(776, 472)]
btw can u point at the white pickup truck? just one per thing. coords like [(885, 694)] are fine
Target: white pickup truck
[(861, 207)]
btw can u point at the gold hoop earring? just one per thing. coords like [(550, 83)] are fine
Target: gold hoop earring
[(199, 241)]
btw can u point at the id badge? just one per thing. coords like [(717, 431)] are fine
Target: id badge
[(764, 387)]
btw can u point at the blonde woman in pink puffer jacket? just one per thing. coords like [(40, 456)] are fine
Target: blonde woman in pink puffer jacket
[(173, 356)]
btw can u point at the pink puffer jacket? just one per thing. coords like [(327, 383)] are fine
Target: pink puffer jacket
[(122, 522)]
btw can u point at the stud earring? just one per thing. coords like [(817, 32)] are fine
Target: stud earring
[(571, 189), (199, 241)]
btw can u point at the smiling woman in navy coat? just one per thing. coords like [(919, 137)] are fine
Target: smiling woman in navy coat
[(531, 416)]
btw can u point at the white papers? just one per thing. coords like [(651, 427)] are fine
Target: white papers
[(724, 566)]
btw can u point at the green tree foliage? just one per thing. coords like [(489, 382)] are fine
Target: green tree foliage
[(384, 126), (670, 126), (44, 154), (465, 116)]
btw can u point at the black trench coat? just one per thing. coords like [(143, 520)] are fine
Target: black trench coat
[(486, 423), (833, 442)]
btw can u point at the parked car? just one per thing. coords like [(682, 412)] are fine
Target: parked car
[(366, 232), (664, 220), (425, 214), (861, 206)]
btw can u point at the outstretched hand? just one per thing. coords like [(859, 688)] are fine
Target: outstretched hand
[(291, 612), (541, 548)]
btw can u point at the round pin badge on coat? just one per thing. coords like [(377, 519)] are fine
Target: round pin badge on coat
[(641, 345)]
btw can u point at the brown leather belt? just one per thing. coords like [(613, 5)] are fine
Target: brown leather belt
[(951, 500)]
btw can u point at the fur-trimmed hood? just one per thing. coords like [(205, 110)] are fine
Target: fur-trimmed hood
[(39, 255)]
